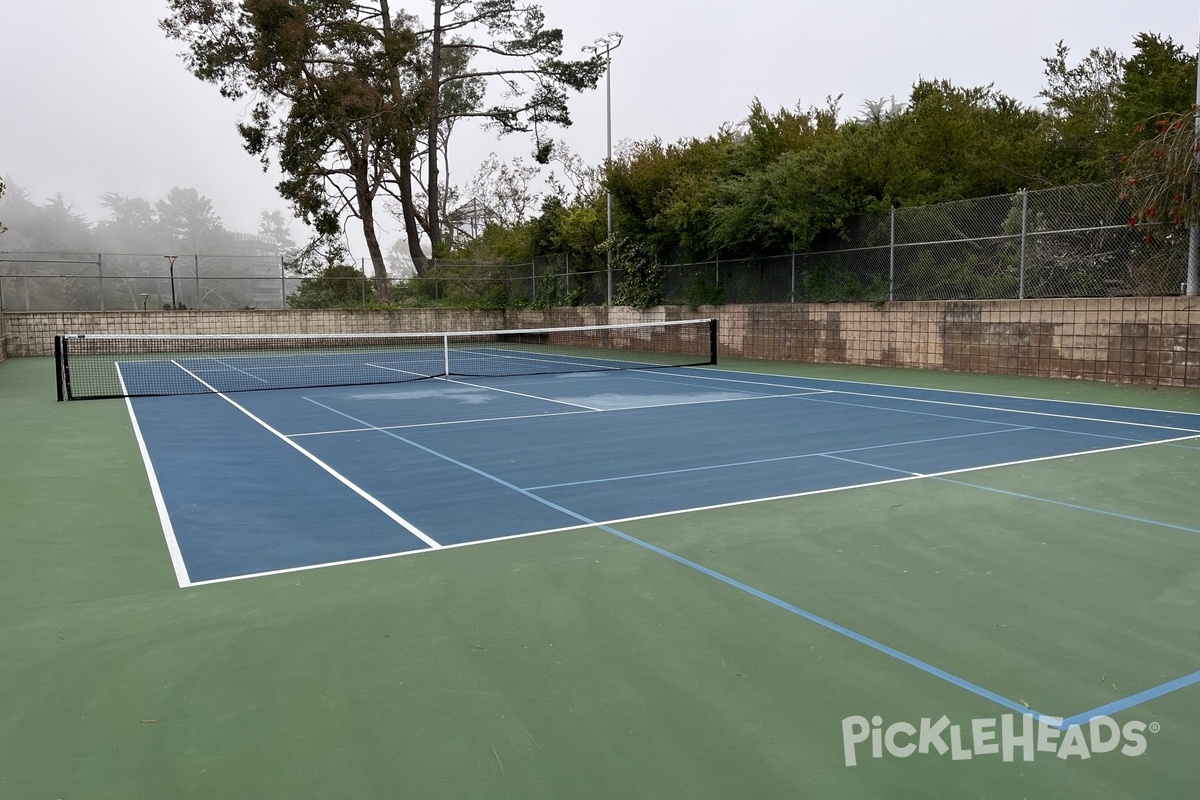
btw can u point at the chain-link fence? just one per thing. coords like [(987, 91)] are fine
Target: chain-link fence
[(110, 282), (107, 282), (546, 282), (1067, 242)]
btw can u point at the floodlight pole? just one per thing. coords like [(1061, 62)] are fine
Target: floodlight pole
[(171, 267), (1193, 268), (606, 45)]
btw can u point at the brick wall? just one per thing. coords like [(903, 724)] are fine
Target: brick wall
[(32, 334), (1122, 339)]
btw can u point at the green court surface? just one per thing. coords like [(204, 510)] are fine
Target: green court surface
[(582, 665)]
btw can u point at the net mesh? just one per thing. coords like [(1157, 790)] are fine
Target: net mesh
[(94, 367)]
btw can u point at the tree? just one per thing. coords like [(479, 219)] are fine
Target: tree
[(349, 96), (188, 223), (1159, 78), (131, 227), (51, 227), (1081, 102), (334, 82), (337, 286), (505, 190), (517, 51), (1161, 175)]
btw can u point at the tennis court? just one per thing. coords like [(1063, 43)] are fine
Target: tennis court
[(672, 581)]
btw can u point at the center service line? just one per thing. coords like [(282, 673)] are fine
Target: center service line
[(349, 484)]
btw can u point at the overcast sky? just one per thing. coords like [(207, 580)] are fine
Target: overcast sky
[(94, 99)]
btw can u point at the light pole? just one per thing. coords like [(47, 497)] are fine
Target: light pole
[(145, 297), (1192, 284), (606, 45)]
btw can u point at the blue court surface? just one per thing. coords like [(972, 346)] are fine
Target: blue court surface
[(262, 482)]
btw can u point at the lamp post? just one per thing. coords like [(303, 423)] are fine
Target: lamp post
[(606, 45), (145, 297), (171, 267), (1192, 284)]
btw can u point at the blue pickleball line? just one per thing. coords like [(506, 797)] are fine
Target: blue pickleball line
[(775, 601)]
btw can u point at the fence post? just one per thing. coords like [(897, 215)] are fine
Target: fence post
[(196, 260), (718, 269), (100, 275), (1024, 228), (793, 291), (892, 257), (567, 272), (282, 285)]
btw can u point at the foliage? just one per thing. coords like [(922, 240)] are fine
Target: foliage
[(1161, 175), (335, 97), (641, 284), (1159, 78), (357, 103), (549, 293), (188, 222), (52, 226), (521, 52), (336, 286), (790, 179), (704, 290)]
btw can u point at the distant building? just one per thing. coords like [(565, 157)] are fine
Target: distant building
[(256, 261)]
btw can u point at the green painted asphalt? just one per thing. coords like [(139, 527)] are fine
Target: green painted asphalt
[(580, 665)]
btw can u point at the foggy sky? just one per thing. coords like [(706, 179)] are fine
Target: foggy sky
[(94, 99)]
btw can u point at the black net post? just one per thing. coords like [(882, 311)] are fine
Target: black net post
[(60, 367)]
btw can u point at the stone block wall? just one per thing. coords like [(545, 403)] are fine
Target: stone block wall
[(1122, 339)]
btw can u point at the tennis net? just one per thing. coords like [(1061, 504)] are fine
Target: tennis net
[(105, 366)]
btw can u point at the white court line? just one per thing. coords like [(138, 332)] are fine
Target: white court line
[(177, 563), (237, 369), (392, 515), (957, 391), (584, 410), (520, 394), (439, 424), (776, 459), (697, 509), (594, 363), (958, 405), (384, 556), (401, 371), (625, 408)]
